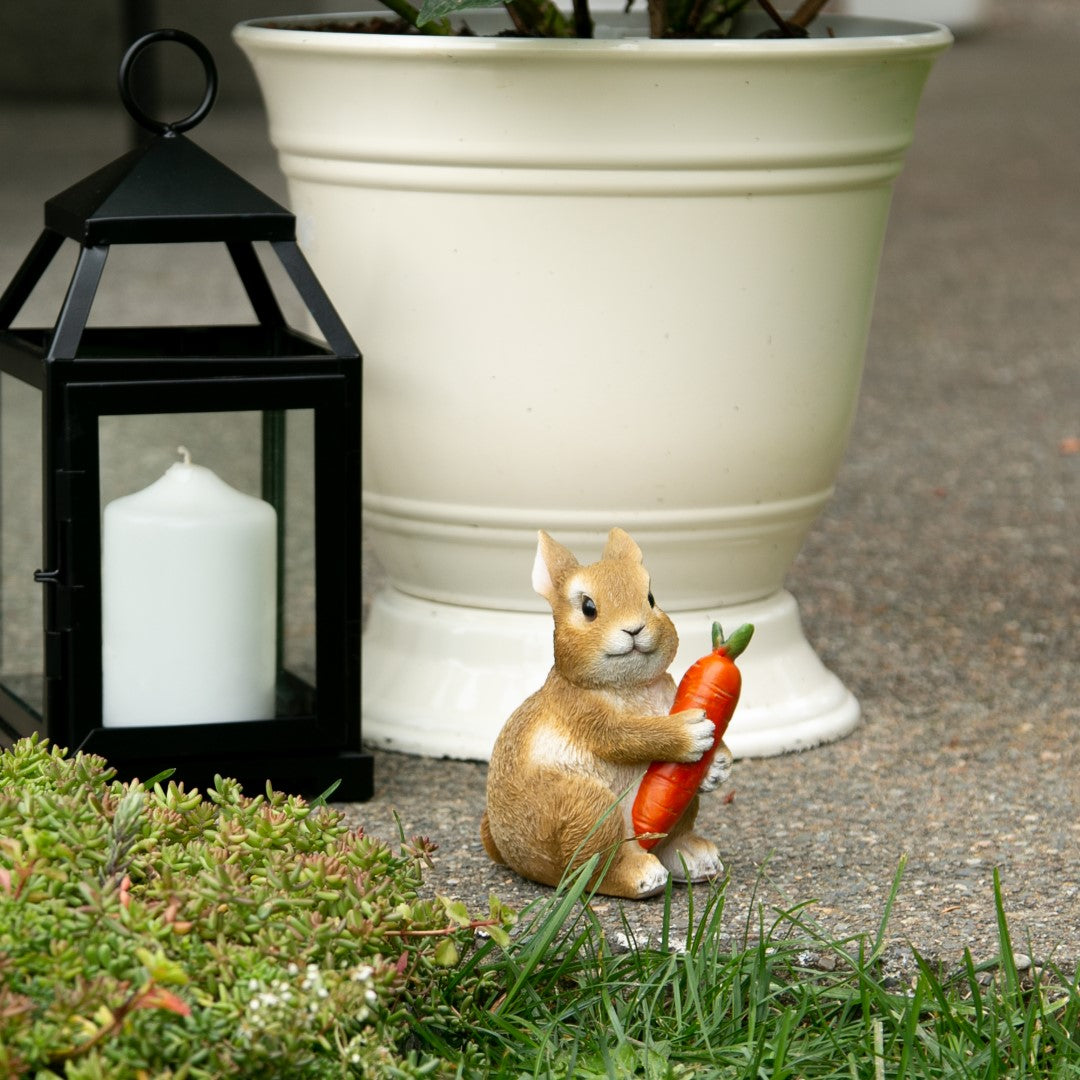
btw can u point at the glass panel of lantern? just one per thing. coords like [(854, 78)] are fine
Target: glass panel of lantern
[(180, 539), (22, 670)]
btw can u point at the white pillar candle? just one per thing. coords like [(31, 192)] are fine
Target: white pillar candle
[(188, 590)]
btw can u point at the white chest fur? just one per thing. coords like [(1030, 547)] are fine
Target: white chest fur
[(652, 700)]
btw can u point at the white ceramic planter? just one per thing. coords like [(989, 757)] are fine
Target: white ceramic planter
[(596, 283)]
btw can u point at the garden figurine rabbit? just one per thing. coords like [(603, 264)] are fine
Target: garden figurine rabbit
[(581, 743)]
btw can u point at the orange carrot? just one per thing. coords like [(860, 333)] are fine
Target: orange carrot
[(713, 684)]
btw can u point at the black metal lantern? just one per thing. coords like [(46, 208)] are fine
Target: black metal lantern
[(301, 400)]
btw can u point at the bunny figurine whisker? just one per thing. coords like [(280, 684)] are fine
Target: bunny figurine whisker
[(586, 737)]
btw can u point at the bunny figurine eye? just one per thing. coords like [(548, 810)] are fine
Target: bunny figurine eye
[(652, 599), (588, 608)]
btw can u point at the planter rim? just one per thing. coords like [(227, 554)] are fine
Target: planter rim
[(861, 36)]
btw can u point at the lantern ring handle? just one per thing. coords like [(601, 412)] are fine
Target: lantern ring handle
[(172, 127)]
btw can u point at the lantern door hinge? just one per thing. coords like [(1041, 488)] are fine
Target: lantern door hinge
[(61, 576), (62, 603)]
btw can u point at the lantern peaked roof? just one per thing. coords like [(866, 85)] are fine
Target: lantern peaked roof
[(168, 190)]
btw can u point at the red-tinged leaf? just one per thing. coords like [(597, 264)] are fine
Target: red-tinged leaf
[(157, 997)]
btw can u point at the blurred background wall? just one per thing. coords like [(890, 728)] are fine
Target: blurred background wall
[(70, 49)]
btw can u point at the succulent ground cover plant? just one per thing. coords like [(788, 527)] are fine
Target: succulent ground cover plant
[(667, 18), (149, 930), (146, 931)]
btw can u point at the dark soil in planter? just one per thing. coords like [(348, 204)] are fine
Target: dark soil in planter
[(376, 26), (349, 26)]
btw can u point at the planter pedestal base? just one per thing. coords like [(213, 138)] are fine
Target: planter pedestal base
[(441, 680)]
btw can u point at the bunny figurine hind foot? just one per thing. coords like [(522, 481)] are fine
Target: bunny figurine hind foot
[(566, 765)]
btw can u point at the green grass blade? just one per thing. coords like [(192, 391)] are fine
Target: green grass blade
[(1006, 956), (556, 919)]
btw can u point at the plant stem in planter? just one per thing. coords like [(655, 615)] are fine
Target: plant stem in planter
[(657, 17), (806, 12), (541, 18), (784, 28), (583, 24), (667, 18)]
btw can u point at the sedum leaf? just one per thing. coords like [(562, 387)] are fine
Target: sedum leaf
[(446, 953)]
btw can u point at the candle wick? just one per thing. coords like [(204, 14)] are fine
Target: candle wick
[(184, 453)]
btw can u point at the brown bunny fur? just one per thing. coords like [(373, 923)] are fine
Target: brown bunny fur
[(568, 753)]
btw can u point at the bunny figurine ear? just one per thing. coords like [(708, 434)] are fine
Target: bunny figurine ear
[(621, 546), (553, 563)]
